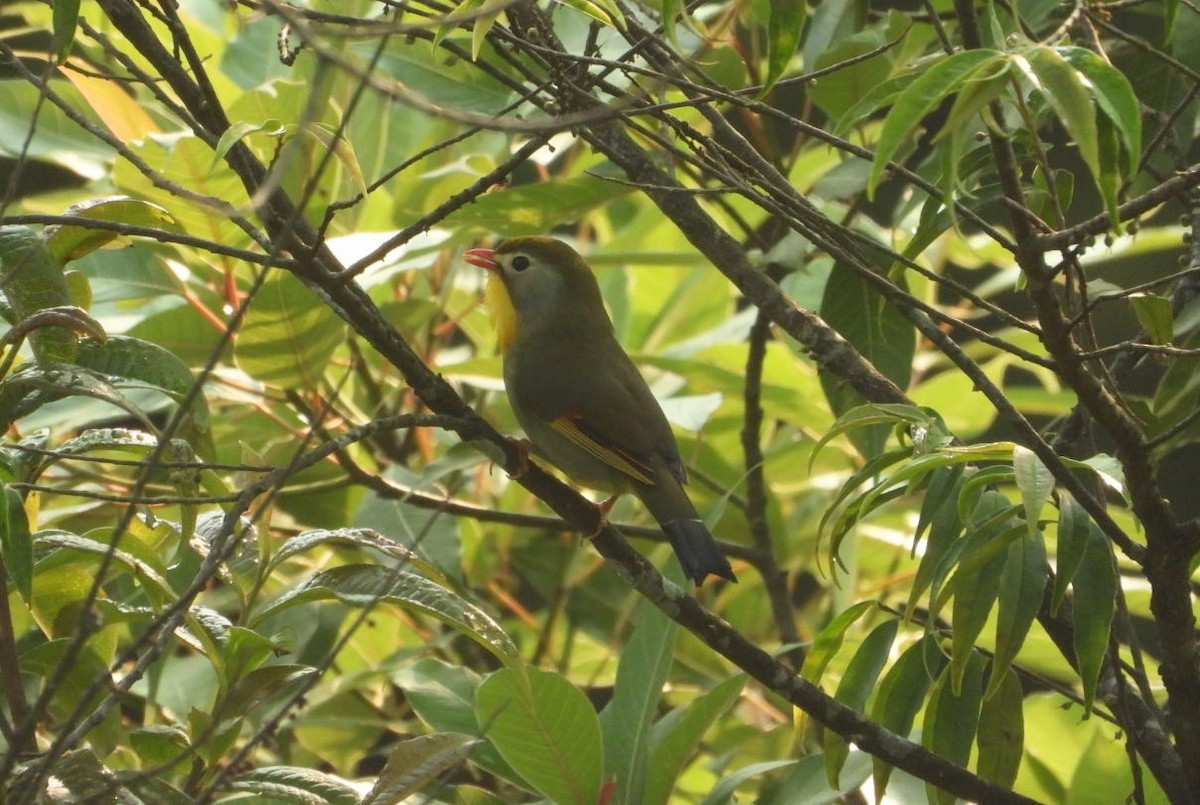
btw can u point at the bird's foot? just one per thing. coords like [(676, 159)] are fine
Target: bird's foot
[(603, 508), (522, 446)]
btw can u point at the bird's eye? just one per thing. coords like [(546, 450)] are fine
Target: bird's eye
[(520, 262)]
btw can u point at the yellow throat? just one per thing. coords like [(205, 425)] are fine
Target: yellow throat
[(501, 310)]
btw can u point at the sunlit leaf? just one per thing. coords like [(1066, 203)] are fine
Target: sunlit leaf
[(288, 336), (546, 729)]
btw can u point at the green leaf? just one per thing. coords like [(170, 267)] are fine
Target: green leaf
[(1095, 588), (288, 335), (978, 484), (669, 10), (546, 729), (151, 581), (1001, 737), (239, 131), (862, 416), (33, 281), (1073, 527), (606, 12), (901, 695), (961, 124), (1178, 392), (367, 585), (1035, 484), (59, 141), (1155, 315), (443, 695), (943, 488), (676, 736), (626, 720), (160, 744), (1022, 584), (1065, 93), (294, 785), (857, 683), (942, 547), (1109, 179), (358, 537), (273, 682), (878, 96), (342, 150), (977, 582), (869, 470), (829, 640), (72, 241), (1064, 90), (100, 371), (722, 793), (783, 37), (951, 719), (1113, 93), (832, 22), (534, 209), (185, 162), (920, 98), (879, 331), (416, 762), (66, 18), (133, 363), (1106, 468), (836, 91), (16, 543)]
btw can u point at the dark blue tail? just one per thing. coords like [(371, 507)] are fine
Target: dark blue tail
[(697, 550)]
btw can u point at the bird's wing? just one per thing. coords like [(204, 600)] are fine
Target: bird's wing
[(574, 426), (591, 405)]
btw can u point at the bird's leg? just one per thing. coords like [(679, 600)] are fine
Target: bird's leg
[(603, 507)]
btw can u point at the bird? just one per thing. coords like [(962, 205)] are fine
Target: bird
[(578, 396)]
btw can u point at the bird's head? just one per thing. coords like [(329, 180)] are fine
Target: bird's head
[(539, 280)]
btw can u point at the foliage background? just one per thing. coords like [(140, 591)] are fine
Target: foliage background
[(915, 283)]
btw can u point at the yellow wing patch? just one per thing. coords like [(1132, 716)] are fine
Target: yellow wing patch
[(626, 462)]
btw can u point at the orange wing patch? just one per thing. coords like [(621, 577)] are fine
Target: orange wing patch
[(628, 463)]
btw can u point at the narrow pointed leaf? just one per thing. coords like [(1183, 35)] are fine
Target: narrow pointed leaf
[(920, 98), (901, 696), (1022, 584), (1034, 482), (1113, 93), (1001, 738), (1095, 588), (829, 640), (677, 735), (1072, 542), (783, 36), (627, 718), (951, 719), (857, 683)]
